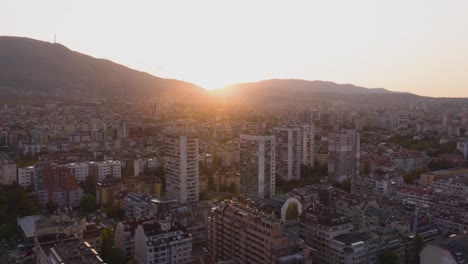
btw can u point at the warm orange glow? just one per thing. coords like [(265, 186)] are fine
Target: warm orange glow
[(417, 46)]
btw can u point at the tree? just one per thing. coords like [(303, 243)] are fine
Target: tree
[(388, 257), (292, 212), (419, 246), (117, 257), (51, 207), (367, 168), (88, 203), (204, 196), (345, 185), (113, 211), (89, 185), (106, 245)]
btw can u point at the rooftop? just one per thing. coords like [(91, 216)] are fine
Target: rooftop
[(71, 251), (27, 224)]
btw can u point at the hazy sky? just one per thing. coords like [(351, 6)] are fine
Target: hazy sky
[(419, 46)]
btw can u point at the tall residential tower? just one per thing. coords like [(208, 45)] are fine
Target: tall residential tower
[(343, 151), (181, 167), (257, 165), (288, 152)]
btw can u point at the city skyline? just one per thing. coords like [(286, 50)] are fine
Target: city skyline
[(416, 47)]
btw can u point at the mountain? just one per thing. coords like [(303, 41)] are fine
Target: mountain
[(42, 68), (292, 91)]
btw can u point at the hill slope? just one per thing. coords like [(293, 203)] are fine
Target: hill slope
[(41, 67), (292, 88)]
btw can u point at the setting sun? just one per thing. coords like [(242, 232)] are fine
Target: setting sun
[(398, 45)]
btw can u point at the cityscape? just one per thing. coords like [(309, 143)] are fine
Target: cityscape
[(102, 162)]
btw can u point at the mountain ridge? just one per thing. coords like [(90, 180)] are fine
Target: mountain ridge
[(40, 66), (33, 66)]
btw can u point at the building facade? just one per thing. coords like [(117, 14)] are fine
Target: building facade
[(163, 241), (242, 233), (344, 153), (103, 169), (181, 167), (257, 165), (289, 150)]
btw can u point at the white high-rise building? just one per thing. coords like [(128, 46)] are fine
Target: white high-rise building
[(288, 152), (79, 170), (257, 165), (102, 169), (122, 130), (181, 167), (343, 155), (26, 176)]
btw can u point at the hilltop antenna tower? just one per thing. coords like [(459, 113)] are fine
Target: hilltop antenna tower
[(55, 39)]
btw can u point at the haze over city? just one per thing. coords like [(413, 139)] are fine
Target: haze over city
[(233, 132), (411, 46)]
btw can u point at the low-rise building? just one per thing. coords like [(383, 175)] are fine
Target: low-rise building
[(318, 226), (57, 248), (163, 241)]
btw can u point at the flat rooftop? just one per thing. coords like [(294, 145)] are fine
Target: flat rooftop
[(27, 224)]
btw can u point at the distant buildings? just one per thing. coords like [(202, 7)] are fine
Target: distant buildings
[(52, 183), (145, 165), (122, 130), (257, 165), (7, 170), (308, 145), (80, 170), (248, 235), (289, 150), (101, 170), (344, 152), (181, 167), (139, 205)]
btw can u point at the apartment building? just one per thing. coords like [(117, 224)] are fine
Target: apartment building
[(80, 170), (344, 153), (308, 145), (181, 167), (162, 241), (103, 169), (237, 231), (57, 248), (318, 225), (140, 166), (52, 183), (257, 165), (289, 150)]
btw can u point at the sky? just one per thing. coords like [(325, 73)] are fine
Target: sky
[(418, 46)]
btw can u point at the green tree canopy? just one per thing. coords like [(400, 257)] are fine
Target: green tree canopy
[(389, 257), (292, 212), (88, 203)]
